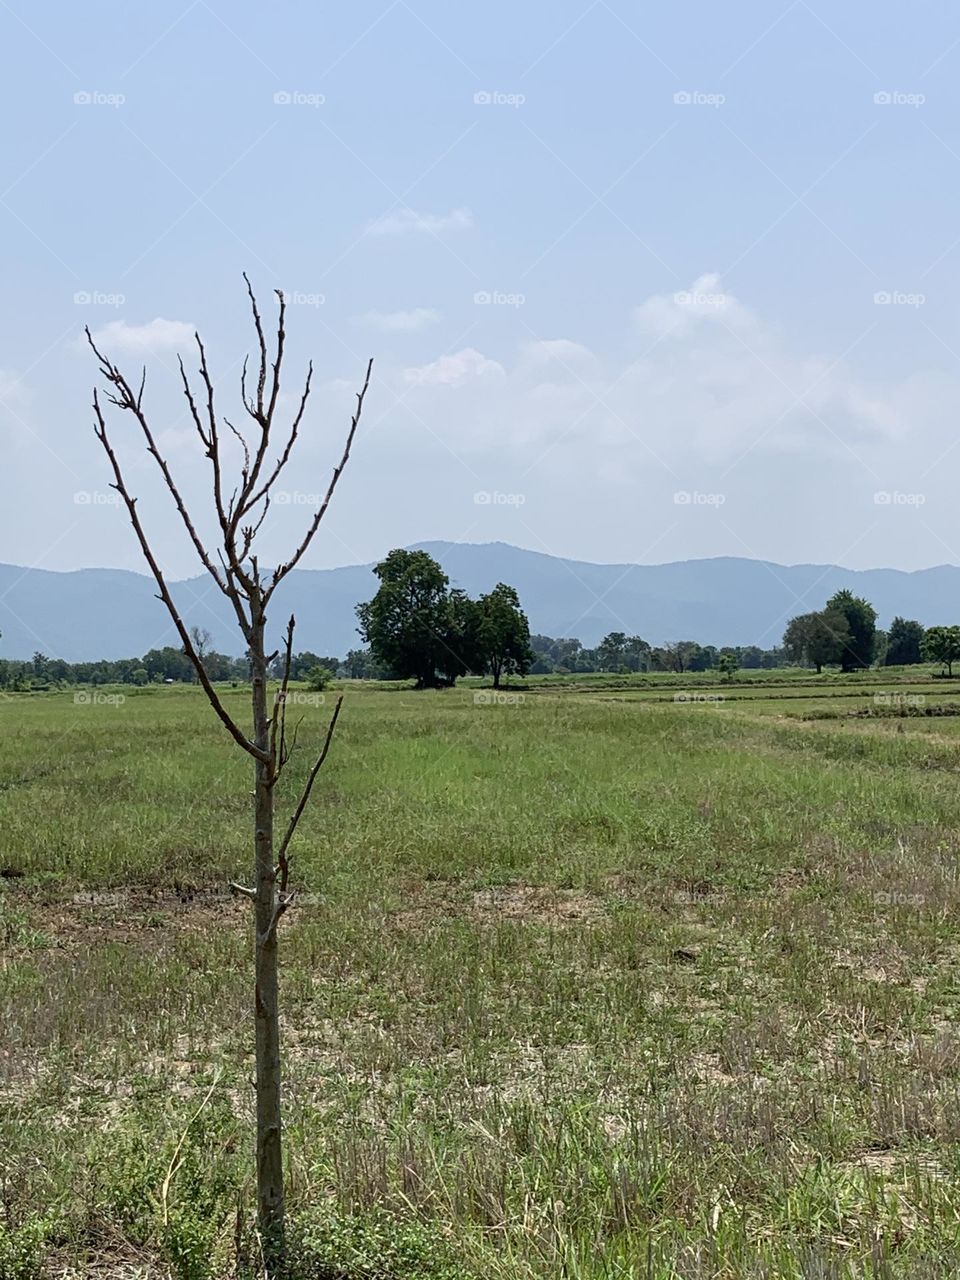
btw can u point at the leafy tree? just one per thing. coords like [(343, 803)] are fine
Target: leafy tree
[(862, 621), (503, 634), (678, 657), (319, 677), (904, 643), (406, 624), (728, 665), (942, 644), (168, 664), (360, 664), (700, 657), (611, 651), (636, 654), (301, 664), (820, 639), (461, 649), (420, 629)]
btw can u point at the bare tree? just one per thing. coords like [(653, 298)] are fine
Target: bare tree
[(202, 640), (238, 574)]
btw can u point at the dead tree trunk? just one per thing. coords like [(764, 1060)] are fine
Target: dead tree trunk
[(237, 574)]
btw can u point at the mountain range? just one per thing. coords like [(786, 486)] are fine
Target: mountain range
[(112, 613)]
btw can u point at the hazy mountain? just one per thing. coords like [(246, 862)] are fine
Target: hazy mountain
[(112, 613)]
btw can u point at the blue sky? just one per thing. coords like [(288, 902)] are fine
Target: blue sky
[(641, 282)]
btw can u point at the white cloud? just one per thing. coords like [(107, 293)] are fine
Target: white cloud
[(560, 357), (709, 383), (677, 314), (454, 370), (400, 321), (405, 220), (157, 335)]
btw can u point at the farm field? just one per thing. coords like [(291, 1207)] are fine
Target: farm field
[(640, 977)]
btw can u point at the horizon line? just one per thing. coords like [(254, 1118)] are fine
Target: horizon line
[(512, 546)]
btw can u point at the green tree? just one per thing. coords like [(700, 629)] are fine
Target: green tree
[(637, 654), (406, 624), (904, 643), (611, 651), (942, 644), (168, 664), (728, 665), (818, 639), (503, 634), (361, 665), (862, 621), (302, 663), (461, 649), (700, 657)]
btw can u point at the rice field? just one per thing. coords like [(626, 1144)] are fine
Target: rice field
[(605, 977)]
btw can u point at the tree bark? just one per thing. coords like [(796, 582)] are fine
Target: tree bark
[(267, 1006)]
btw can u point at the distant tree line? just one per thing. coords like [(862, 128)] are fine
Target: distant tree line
[(156, 666), (844, 634), (419, 628), (622, 654)]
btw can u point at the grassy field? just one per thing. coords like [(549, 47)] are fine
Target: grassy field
[(652, 977)]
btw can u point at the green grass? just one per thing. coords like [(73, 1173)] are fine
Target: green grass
[(592, 984)]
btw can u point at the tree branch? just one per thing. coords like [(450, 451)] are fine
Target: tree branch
[(282, 570), (284, 457), (131, 504), (305, 795), (127, 400), (278, 721)]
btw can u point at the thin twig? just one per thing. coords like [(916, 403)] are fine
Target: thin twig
[(305, 796)]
